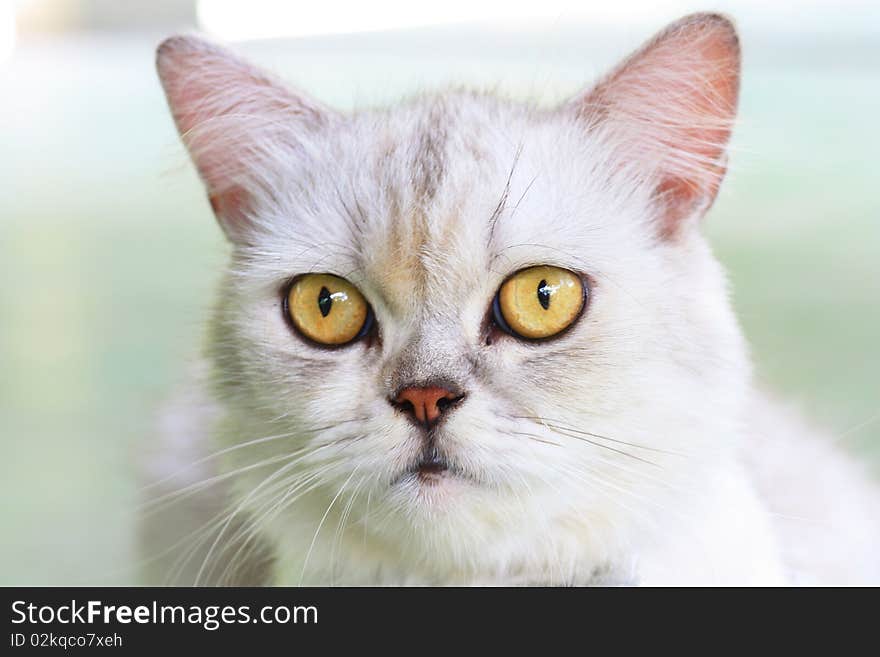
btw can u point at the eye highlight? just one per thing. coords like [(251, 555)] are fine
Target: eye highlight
[(327, 309), (539, 302)]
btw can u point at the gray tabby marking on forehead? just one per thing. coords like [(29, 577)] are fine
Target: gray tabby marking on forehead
[(411, 168), (429, 157)]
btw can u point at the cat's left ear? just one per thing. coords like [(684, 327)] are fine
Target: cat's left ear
[(667, 112), (234, 120)]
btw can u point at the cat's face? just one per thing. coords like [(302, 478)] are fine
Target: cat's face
[(441, 419)]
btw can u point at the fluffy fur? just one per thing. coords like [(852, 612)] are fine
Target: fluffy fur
[(632, 449)]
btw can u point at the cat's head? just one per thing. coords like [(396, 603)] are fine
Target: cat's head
[(464, 312)]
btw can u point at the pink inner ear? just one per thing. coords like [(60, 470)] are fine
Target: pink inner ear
[(678, 199), (231, 205), (669, 108), (227, 112)]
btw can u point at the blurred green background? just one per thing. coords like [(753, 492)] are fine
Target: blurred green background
[(109, 252)]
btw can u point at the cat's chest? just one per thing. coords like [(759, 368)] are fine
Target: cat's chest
[(727, 539)]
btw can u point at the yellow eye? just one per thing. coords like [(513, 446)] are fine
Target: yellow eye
[(539, 302), (328, 309)]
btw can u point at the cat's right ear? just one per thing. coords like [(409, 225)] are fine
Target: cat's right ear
[(232, 119)]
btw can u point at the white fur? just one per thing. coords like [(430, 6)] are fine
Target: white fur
[(685, 474)]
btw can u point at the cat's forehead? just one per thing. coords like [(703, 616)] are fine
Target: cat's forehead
[(429, 155), (430, 182)]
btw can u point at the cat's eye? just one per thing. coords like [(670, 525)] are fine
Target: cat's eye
[(539, 302), (327, 309)]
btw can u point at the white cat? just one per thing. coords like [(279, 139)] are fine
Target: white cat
[(466, 340)]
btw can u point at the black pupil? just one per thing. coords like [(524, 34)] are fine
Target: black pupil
[(544, 293), (325, 301)]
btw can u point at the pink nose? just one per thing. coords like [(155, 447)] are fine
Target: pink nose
[(426, 404)]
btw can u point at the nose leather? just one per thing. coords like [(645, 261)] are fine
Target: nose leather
[(425, 404)]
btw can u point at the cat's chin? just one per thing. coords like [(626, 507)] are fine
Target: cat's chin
[(429, 477), (432, 492), (432, 481)]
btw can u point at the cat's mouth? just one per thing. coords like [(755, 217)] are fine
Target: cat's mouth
[(430, 469)]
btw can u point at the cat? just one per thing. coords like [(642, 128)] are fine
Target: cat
[(472, 341)]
